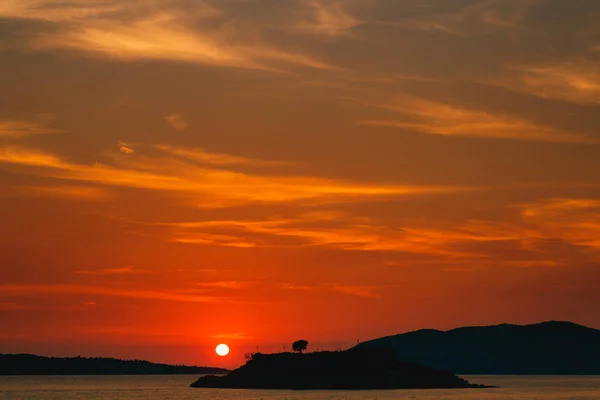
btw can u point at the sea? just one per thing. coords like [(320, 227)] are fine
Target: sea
[(176, 387)]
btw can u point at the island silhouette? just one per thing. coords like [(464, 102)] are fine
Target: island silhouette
[(547, 348), (420, 359), (28, 364), (338, 370), (424, 359)]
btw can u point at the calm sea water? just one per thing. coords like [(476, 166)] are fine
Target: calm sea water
[(176, 388)]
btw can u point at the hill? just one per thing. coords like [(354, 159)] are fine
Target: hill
[(346, 370), (548, 348), (27, 364)]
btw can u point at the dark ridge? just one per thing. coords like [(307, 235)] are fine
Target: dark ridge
[(547, 348), (28, 364), (353, 369)]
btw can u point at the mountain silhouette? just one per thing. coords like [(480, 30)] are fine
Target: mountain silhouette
[(547, 348), (28, 364)]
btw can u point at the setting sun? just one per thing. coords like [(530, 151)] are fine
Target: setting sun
[(222, 350)]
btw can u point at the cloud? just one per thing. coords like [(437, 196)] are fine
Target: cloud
[(344, 232), (232, 336), (218, 187), (67, 192), (359, 291), (57, 10), (477, 18), (365, 291), (214, 239), (9, 306), (156, 37), (219, 159), (575, 221), (177, 122), (522, 240), (171, 31), (142, 294), (225, 284), (125, 148), (329, 18), (232, 233), (291, 286), (31, 157), (130, 269), (575, 81), (436, 118), (16, 128)]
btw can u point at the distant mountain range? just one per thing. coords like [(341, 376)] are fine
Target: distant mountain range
[(548, 348), (27, 364)]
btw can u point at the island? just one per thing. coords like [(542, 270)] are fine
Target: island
[(28, 364), (546, 348), (352, 369)]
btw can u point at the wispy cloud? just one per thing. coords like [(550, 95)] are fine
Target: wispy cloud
[(341, 231), (57, 10), (177, 121), (219, 159), (514, 242), (130, 269), (475, 19), (575, 80), (292, 286), (232, 336), (10, 306), (437, 118), (142, 294), (31, 157), (576, 221), (214, 239), (329, 18), (17, 128), (45, 307), (67, 192), (365, 291), (147, 30), (218, 187), (359, 291), (125, 148), (225, 284)]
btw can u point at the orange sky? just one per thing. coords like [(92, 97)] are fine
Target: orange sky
[(179, 173)]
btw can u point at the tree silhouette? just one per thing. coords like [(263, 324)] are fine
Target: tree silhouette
[(299, 346)]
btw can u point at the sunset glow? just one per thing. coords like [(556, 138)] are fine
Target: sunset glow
[(177, 174)]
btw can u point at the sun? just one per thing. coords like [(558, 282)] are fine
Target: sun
[(222, 350)]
